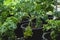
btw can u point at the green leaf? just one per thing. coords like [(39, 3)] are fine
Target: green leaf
[(14, 19), (7, 2), (28, 32)]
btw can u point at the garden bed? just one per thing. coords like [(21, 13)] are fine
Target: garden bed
[(28, 20)]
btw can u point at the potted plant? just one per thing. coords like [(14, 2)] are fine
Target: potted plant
[(53, 26), (30, 32)]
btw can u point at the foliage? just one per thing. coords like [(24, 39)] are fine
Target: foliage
[(54, 26), (12, 12), (28, 32)]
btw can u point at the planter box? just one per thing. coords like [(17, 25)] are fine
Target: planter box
[(37, 33), (19, 31), (58, 37), (46, 36)]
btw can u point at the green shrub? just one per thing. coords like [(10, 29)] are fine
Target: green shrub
[(12, 12)]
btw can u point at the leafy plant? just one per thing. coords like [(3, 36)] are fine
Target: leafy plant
[(54, 26), (28, 32)]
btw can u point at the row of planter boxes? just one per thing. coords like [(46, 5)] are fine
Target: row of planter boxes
[(38, 33)]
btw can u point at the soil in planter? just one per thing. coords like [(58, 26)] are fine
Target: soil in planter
[(58, 37), (48, 36), (50, 16), (37, 35), (19, 31), (5, 38)]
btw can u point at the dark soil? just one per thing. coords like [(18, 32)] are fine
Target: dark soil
[(50, 16)]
